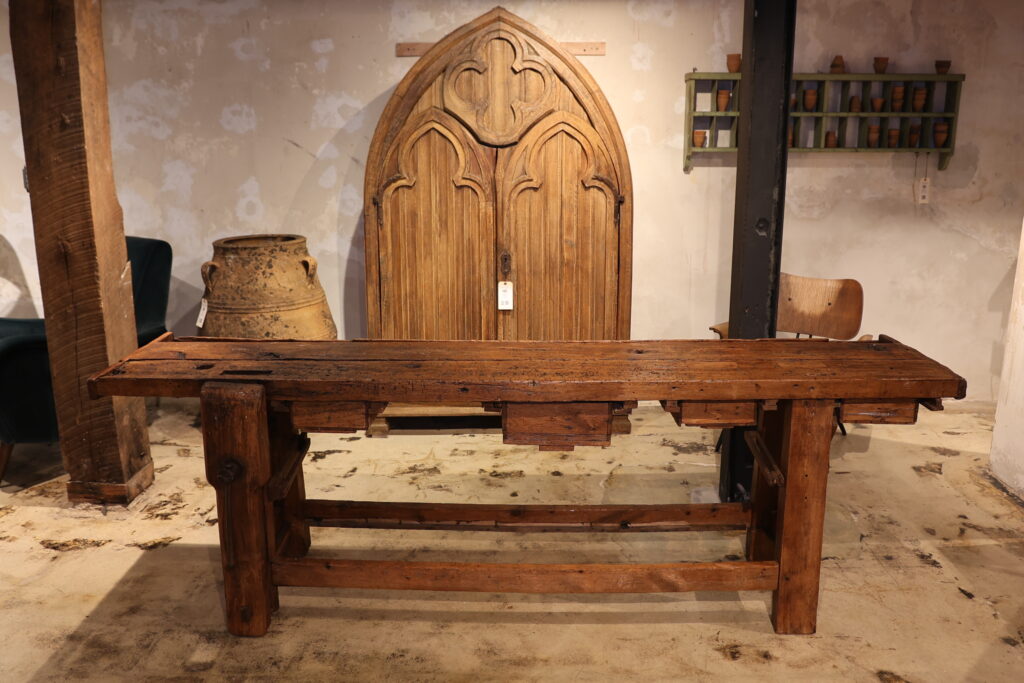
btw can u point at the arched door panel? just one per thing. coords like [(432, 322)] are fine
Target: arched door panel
[(434, 218), (558, 198), (497, 141)]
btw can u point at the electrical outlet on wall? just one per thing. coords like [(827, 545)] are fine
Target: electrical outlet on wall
[(922, 190)]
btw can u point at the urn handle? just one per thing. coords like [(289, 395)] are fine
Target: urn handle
[(310, 263), (207, 273)]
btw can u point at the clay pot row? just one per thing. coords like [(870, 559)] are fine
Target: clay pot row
[(940, 135), (838, 65), (810, 101)]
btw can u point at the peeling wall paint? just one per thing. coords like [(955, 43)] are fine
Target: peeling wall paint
[(241, 116)]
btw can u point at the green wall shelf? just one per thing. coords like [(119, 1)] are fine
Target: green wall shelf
[(831, 113)]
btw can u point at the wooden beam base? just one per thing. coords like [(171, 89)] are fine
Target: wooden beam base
[(527, 578), (551, 518), (111, 493)]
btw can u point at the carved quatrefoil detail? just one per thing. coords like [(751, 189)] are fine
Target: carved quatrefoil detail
[(499, 87)]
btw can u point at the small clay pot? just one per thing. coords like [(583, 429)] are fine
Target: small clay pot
[(897, 97), (877, 103), (723, 99), (920, 95), (881, 64), (894, 137), (810, 100), (873, 132), (940, 134), (838, 65), (699, 138), (914, 137), (831, 139), (733, 62), (942, 66), (792, 102), (855, 105)]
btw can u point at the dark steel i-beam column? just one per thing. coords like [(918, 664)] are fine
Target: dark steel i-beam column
[(768, 30)]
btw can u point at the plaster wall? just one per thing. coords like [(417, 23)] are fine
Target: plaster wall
[(243, 116), (1007, 455)]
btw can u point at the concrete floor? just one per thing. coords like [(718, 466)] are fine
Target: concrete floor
[(922, 575)]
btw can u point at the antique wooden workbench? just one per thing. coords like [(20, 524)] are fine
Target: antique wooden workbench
[(259, 398)]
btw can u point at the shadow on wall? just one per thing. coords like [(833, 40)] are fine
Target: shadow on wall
[(15, 299), (999, 303), (352, 274), (351, 142), (184, 307), (352, 279)]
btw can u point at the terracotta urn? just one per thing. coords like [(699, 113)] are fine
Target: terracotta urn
[(264, 287), (733, 62), (942, 66), (723, 99), (914, 137), (894, 137), (873, 132), (940, 134), (920, 95), (792, 102), (699, 138), (831, 139), (877, 103), (855, 105), (881, 64), (838, 65), (810, 99)]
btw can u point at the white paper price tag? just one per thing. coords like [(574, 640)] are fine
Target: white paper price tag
[(202, 314), (504, 295)]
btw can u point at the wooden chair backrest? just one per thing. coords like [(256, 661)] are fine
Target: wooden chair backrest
[(820, 307)]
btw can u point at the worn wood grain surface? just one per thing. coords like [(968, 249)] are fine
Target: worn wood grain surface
[(706, 370), (528, 578), (236, 446), (84, 273)]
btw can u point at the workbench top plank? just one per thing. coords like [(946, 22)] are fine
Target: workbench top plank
[(704, 370)]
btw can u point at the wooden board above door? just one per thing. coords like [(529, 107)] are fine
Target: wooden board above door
[(594, 48)]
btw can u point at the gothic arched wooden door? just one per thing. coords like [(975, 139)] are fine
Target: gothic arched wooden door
[(498, 158)]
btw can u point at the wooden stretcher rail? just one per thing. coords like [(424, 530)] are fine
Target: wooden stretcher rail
[(765, 459), (527, 578), (459, 516)]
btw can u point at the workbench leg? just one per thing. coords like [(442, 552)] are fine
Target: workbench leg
[(237, 450), (803, 458), (764, 498), (291, 529)]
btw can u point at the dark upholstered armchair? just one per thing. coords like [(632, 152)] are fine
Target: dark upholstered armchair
[(27, 413)]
